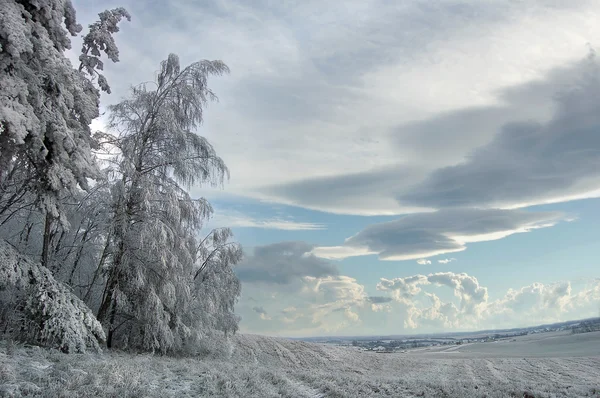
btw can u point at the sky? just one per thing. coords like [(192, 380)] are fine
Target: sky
[(396, 167)]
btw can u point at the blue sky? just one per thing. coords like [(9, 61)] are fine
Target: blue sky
[(396, 167)]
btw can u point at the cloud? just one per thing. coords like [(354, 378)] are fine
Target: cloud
[(545, 302), (465, 287), (353, 316), (423, 261), (404, 81), (292, 288), (236, 219), (338, 304), (283, 263), (262, 313), (320, 305), (403, 288), (527, 148), (379, 299), (259, 310), (529, 162), (418, 236), (344, 193), (336, 288), (525, 306), (446, 260), (458, 141)]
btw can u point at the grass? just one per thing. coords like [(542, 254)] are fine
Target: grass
[(267, 367)]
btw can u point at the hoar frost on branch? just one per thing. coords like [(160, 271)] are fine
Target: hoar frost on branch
[(46, 106), (35, 307), (128, 245), (153, 298)]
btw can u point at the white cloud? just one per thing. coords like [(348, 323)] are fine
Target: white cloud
[(446, 260), (465, 287), (340, 252), (403, 288), (381, 308), (526, 306), (340, 289), (353, 316), (423, 261), (339, 304), (418, 236), (236, 219)]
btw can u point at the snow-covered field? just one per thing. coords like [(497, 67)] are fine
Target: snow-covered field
[(544, 365)]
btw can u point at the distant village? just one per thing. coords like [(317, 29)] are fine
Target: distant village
[(391, 344)]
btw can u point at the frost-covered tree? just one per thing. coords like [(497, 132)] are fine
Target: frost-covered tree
[(127, 245), (47, 105), (153, 273), (34, 307), (215, 286)]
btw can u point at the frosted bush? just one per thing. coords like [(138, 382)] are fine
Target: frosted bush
[(42, 310)]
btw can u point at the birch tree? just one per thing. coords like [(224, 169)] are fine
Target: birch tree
[(150, 277)]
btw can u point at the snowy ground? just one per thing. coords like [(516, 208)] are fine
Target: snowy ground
[(545, 365)]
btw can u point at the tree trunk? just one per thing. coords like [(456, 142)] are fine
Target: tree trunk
[(108, 299), (86, 298), (111, 326), (78, 257), (47, 238)]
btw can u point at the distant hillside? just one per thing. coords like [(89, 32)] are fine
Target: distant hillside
[(550, 327)]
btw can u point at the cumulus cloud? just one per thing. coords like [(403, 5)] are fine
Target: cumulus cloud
[(544, 302), (337, 304), (403, 288), (423, 235), (336, 288), (465, 287), (283, 263), (535, 303), (423, 261), (329, 298), (438, 313)]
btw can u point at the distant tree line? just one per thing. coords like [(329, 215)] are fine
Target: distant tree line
[(592, 325)]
